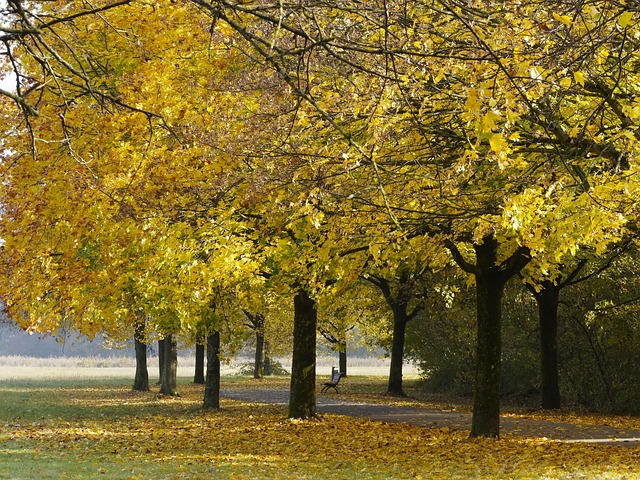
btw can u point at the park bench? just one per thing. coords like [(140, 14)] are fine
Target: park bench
[(336, 375)]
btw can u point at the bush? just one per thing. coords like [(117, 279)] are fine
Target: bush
[(276, 369), (442, 343)]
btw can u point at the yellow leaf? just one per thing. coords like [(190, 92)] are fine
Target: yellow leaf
[(579, 77), (498, 144), (565, 82), (564, 19), (624, 19)]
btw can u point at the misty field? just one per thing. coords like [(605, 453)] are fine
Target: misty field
[(21, 367)]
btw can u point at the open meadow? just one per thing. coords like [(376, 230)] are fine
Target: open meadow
[(75, 424)]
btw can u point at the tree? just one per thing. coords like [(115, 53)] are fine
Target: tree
[(198, 376), (110, 229), (141, 381), (438, 165), (168, 382), (420, 117), (398, 298), (547, 296), (256, 323), (212, 385), (336, 335), (302, 401)]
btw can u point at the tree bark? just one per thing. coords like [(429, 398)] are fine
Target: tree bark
[(169, 385), (258, 366), (398, 301), (302, 400), (486, 396), (548, 299), (491, 277), (342, 360), (397, 350), (267, 367), (212, 385), (141, 380), (198, 376), (161, 350)]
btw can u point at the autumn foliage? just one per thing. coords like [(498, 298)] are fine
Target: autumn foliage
[(188, 160), (112, 432)]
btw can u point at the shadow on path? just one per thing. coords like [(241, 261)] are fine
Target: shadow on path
[(566, 432)]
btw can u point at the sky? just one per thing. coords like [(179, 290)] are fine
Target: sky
[(7, 83)]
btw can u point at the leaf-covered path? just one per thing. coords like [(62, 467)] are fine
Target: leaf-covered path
[(455, 420)]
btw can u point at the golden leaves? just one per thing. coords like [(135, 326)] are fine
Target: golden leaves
[(159, 436)]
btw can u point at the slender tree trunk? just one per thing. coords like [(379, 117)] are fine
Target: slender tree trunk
[(397, 351), (302, 400), (161, 350), (141, 381), (267, 368), (399, 303), (169, 386), (547, 300), (342, 360), (212, 386), (198, 376), (258, 367)]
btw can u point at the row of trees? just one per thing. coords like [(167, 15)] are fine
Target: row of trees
[(225, 156), (591, 360)]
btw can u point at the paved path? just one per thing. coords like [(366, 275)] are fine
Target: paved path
[(566, 432)]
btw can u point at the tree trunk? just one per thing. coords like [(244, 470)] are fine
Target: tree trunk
[(212, 386), (491, 277), (198, 376), (302, 400), (485, 421), (342, 360), (547, 300), (397, 350), (169, 383), (161, 350), (267, 368), (141, 381), (258, 367)]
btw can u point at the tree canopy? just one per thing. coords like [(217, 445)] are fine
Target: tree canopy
[(216, 148)]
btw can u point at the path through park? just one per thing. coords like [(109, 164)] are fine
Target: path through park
[(332, 403)]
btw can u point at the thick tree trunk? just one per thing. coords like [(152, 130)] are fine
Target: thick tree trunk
[(302, 400), (342, 360), (212, 385), (198, 376), (547, 300), (397, 351), (490, 283), (141, 381), (486, 395), (169, 385), (258, 366), (491, 275)]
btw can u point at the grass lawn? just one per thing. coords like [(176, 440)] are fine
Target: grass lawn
[(85, 429)]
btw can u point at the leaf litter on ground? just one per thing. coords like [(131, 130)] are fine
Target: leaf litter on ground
[(118, 431)]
